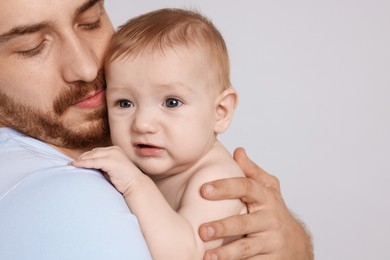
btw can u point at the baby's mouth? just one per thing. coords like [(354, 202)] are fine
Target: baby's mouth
[(148, 150), (145, 146)]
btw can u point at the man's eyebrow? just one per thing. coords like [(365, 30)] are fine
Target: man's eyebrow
[(22, 30), (28, 29), (87, 5)]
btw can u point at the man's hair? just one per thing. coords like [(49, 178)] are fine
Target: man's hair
[(167, 28)]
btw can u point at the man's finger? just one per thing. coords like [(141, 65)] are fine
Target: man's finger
[(250, 169), (241, 249), (235, 188), (238, 225), (253, 171)]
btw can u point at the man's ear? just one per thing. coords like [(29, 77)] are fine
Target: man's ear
[(225, 105)]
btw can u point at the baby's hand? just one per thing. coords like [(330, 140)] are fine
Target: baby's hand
[(112, 161)]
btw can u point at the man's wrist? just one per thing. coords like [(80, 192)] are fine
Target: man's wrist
[(304, 243)]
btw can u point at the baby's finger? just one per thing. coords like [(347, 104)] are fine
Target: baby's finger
[(93, 159), (97, 152), (85, 162)]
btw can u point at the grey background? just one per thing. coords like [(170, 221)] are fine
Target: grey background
[(314, 84)]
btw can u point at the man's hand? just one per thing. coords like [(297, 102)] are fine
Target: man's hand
[(271, 231)]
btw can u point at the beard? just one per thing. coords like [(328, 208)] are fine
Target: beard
[(49, 126)]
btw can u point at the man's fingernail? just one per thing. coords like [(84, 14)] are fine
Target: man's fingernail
[(210, 231), (211, 256), (209, 189)]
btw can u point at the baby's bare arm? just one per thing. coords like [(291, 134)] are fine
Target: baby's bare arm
[(169, 234)]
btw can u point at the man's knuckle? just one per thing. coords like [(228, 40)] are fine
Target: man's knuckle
[(247, 185), (243, 223), (279, 243), (246, 247), (220, 228), (275, 181), (276, 223), (253, 207)]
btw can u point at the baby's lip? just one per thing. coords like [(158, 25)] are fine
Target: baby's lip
[(147, 149)]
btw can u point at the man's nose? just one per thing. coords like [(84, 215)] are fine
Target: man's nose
[(80, 63)]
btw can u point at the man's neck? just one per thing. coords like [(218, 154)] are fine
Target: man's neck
[(72, 153), (76, 152)]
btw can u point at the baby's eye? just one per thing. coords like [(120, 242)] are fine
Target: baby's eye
[(125, 103), (173, 102)]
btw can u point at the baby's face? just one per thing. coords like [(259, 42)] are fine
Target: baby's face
[(161, 108)]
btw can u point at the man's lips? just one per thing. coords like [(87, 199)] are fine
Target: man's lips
[(148, 150), (92, 100)]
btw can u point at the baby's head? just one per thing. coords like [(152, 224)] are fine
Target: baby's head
[(168, 89), (164, 29)]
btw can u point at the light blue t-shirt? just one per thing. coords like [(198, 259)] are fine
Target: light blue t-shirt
[(50, 210)]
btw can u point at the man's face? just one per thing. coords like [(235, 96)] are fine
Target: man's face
[(51, 79)]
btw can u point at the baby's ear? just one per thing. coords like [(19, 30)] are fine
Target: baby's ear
[(225, 105)]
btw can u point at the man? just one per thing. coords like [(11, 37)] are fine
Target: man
[(52, 108)]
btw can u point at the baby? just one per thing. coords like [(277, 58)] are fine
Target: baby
[(168, 97)]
